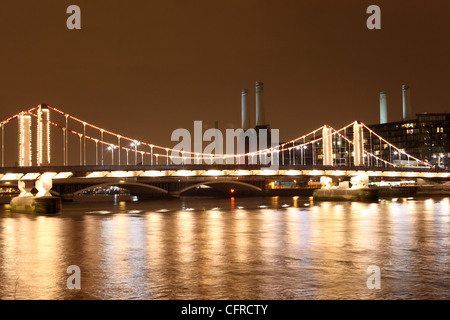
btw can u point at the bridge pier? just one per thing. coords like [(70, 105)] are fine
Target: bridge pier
[(174, 194)]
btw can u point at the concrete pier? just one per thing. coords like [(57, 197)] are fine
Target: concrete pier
[(366, 194), (31, 204)]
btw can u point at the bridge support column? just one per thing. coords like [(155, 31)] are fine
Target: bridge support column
[(327, 147), (358, 144)]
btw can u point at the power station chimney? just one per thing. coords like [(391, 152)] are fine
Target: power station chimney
[(260, 119), (383, 108), (245, 115), (407, 114)]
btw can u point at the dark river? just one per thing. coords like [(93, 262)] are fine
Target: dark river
[(243, 248)]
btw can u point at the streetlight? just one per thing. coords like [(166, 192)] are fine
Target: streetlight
[(81, 150), (3, 146), (135, 144), (151, 154), (111, 148), (101, 139), (84, 143), (118, 142), (96, 152), (302, 154), (439, 156)]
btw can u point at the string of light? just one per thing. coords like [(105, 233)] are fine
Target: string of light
[(285, 146), (396, 148)]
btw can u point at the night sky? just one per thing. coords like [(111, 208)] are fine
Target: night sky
[(145, 68)]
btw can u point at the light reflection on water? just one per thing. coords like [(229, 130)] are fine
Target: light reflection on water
[(254, 248)]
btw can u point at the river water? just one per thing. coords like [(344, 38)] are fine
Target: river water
[(243, 248)]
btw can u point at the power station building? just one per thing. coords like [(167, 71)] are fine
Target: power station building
[(425, 136), (262, 129)]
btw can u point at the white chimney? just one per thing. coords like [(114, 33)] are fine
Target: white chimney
[(260, 119), (407, 114), (245, 115), (383, 108)]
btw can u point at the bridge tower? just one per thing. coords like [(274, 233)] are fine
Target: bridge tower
[(43, 135), (327, 146), (358, 144), (25, 155)]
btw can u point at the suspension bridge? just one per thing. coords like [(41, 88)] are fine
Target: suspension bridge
[(81, 156)]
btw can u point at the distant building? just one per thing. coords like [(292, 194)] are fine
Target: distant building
[(427, 138)]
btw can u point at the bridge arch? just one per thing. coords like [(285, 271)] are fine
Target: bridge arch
[(131, 186), (246, 185)]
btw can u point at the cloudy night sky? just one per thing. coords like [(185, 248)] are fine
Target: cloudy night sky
[(146, 68)]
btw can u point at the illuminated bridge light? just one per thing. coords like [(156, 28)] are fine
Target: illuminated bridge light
[(42, 142), (241, 173), (410, 174), (123, 174), (293, 173), (25, 145), (430, 175), (393, 174), (31, 176), (185, 173), (97, 174), (153, 173), (11, 176), (214, 173), (63, 175), (43, 136), (315, 172), (268, 172), (357, 173)]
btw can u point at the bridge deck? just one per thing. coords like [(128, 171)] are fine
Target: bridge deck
[(207, 167)]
